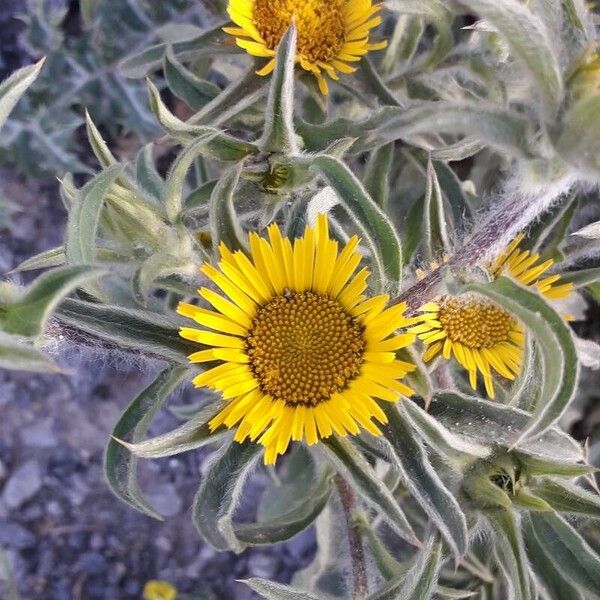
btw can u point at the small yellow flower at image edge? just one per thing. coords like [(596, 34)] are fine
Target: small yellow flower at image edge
[(331, 33), (482, 336), (303, 352), (159, 590)]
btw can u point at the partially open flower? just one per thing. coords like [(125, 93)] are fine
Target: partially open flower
[(331, 33), (159, 590), (482, 336), (303, 352)]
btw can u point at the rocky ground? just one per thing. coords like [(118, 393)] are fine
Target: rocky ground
[(66, 536)]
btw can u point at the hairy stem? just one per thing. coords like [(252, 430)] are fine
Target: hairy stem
[(357, 552), (488, 239)]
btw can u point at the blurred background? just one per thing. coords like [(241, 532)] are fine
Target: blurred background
[(65, 536)]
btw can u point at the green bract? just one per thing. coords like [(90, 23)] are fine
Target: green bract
[(461, 497)]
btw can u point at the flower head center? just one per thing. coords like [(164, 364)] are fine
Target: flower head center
[(303, 347), (475, 322), (320, 24)]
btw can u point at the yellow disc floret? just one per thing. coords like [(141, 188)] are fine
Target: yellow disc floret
[(304, 347)]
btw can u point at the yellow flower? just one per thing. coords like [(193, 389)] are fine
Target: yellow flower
[(303, 352), (159, 590), (482, 336), (331, 33)]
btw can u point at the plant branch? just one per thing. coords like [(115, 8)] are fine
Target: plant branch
[(357, 552), (500, 226)]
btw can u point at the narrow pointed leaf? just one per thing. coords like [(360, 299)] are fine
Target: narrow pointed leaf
[(365, 481), (567, 498), (560, 363), (120, 465), (84, 216), (15, 86), (278, 133), (510, 552), (377, 174), (29, 314), (421, 581), (219, 492), (277, 591), (17, 354), (423, 482), (573, 557)]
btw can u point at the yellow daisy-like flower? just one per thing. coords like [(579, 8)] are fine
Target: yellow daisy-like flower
[(331, 33), (303, 352), (482, 336), (159, 590)]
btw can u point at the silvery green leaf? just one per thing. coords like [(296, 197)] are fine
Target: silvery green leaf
[(278, 132), (447, 443), (558, 586), (530, 41), (219, 492), (190, 88), (459, 151), (421, 581), (224, 222), (120, 465), (212, 142), (388, 566), (435, 228), (15, 86), (6, 576), (579, 142), (193, 434), (582, 277), (44, 260), (208, 44), (484, 420), (17, 354), (377, 174), (566, 497), (277, 591), (376, 84), (510, 552), (144, 332), (84, 217), (97, 143), (237, 97), (157, 266), (198, 200), (374, 226), (590, 232), (435, 12), (146, 175), (534, 465), (573, 557), (359, 473), (442, 591), (286, 525), (27, 316), (423, 483), (560, 364), (487, 124), (176, 178), (403, 43)]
